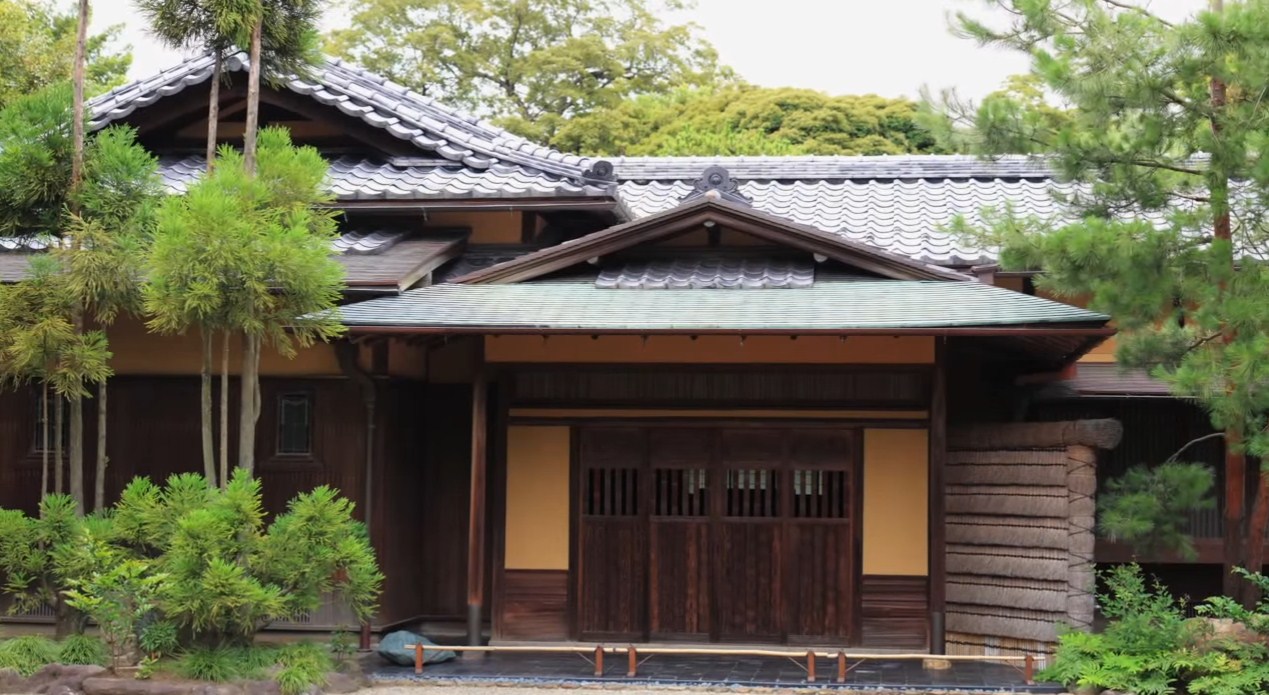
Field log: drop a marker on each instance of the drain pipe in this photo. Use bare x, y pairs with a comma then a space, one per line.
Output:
346, 353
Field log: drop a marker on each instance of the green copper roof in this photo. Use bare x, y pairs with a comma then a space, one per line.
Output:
844, 304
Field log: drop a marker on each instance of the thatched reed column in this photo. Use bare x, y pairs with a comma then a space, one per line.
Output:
1081, 485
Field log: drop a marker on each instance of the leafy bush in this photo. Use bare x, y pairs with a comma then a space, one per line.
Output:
342, 647
227, 573
217, 664
40, 556
1148, 507
159, 638
1150, 648
26, 655
117, 599
302, 667
82, 649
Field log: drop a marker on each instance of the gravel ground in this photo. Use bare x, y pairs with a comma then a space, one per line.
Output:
443, 688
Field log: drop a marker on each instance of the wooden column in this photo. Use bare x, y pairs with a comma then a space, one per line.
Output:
477, 511
937, 495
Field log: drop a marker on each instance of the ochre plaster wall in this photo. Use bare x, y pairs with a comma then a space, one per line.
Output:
896, 534
139, 352
537, 498
487, 227
711, 349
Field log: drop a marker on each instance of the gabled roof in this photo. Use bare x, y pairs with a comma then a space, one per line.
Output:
402, 112
708, 209
900, 204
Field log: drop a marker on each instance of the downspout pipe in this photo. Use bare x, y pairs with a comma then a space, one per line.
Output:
346, 353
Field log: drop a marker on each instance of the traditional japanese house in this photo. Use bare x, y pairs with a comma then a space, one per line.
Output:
760, 400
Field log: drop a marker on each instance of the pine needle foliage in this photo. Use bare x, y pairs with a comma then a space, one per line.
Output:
1167, 137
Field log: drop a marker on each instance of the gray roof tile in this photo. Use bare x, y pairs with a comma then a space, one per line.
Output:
854, 196
825, 305
412, 178
457, 136
709, 273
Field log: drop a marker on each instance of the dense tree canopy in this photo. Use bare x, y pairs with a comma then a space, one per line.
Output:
528, 64
748, 120
1170, 138
37, 46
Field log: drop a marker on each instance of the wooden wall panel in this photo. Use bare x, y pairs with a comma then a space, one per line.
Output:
680, 586
534, 605
894, 612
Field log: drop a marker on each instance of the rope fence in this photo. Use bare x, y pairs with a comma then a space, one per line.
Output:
636, 656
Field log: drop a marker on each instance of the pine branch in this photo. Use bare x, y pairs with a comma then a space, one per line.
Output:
1139, 10
1191, 443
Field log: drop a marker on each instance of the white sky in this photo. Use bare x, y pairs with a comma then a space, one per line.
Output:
887, 47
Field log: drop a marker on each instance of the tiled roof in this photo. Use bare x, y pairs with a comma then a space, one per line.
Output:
1109, 380
432, 127
411, 178
14, 266
900, 204
825, 305
833, 168
391, 260
709, 273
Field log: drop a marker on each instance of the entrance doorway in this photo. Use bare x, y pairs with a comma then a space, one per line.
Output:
718, 533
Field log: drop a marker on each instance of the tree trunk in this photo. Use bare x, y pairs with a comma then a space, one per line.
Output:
59, 423
1257, 527
253, 101
77, 452
77, 77
209, 452
44, 434
224, 411
99, 482
213, 112
249, 385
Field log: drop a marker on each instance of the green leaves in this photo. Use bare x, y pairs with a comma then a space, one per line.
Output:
530, 66
1148, 506
37, 43
747, 120
249, 254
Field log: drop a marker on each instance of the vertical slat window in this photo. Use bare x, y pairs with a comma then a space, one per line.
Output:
612, 492
295, 424
752, 493
680, 492
821, 494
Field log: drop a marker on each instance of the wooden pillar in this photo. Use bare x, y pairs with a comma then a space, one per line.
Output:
477, 511
937, 493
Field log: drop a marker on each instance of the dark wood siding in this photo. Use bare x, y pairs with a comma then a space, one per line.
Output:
721, 533
895, 611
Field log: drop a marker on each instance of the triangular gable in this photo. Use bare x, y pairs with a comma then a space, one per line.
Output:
400, 113
709, 208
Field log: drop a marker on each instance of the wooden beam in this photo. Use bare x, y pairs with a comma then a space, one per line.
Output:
477, 512
1208, 551
937, 491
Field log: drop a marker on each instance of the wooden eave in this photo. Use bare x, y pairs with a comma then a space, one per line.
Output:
696, 213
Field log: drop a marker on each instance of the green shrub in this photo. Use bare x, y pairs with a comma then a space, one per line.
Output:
342, 647
117, 598
26, 655
302, 666
218, 664
228, 573
159, 638
1150, 648
82, 649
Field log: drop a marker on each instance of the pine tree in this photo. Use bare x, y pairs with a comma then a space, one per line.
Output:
1167, 134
